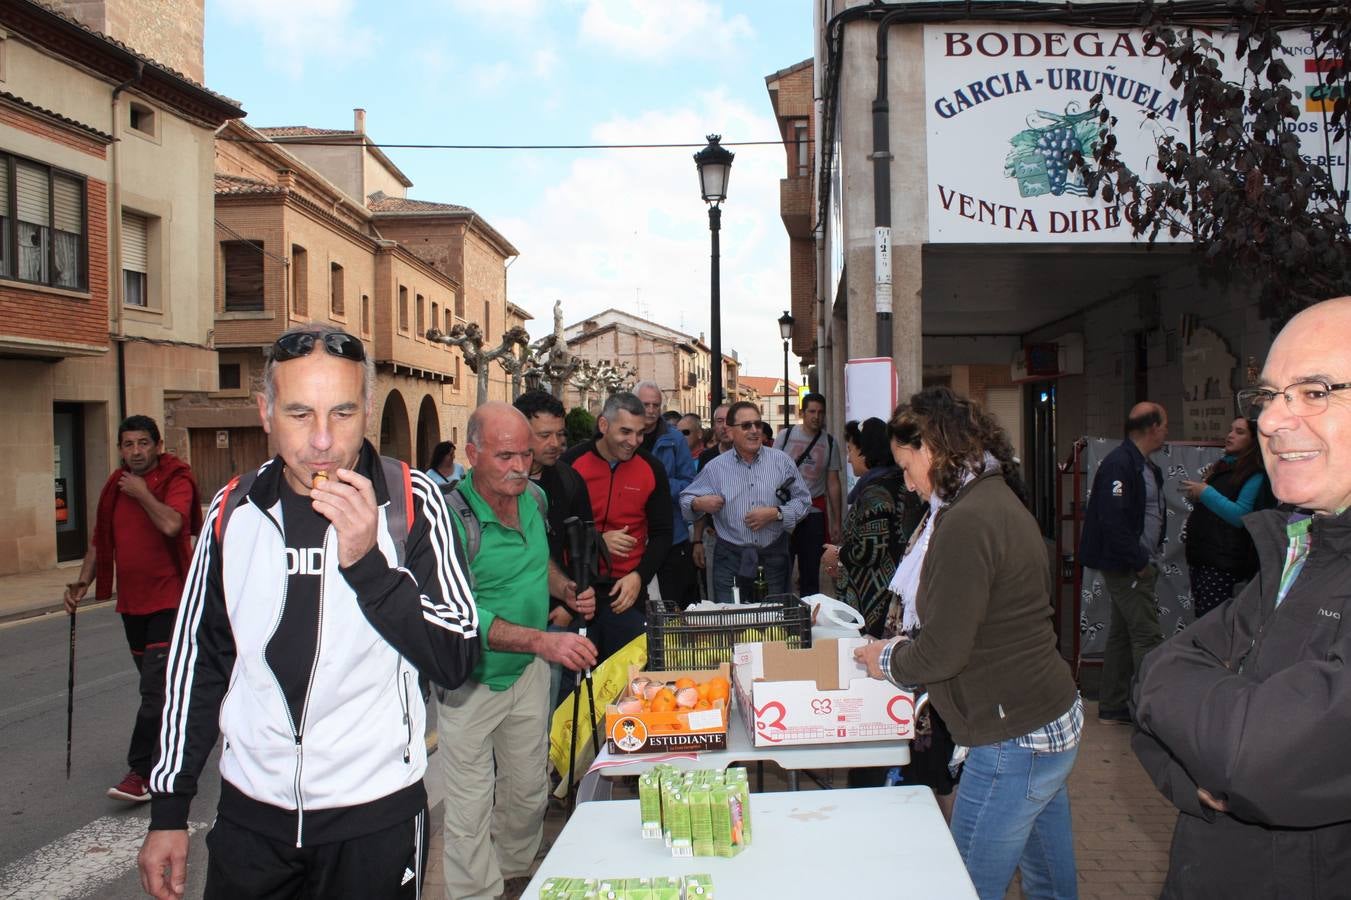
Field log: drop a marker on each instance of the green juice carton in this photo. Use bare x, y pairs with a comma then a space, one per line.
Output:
667, 887
728, 805
676, 821
699, 886
649, 804
701, 818
637, 889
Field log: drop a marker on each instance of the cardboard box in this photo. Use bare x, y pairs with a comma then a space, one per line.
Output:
819, 695
677, 731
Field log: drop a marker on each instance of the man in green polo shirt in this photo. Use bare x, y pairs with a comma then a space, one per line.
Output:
494, 729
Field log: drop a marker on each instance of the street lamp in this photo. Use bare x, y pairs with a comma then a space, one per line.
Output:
715, 167
785, 332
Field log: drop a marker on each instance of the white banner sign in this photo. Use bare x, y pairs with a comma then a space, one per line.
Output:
1008, 105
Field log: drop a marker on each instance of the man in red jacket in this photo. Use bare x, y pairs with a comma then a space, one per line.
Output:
631, 506
147, 515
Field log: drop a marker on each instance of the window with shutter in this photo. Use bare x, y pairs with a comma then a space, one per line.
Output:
6, 225
135, 242
32, 188
68, 241
42, 224
243, 275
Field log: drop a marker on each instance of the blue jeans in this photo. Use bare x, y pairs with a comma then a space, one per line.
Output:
726, 558
1013, 812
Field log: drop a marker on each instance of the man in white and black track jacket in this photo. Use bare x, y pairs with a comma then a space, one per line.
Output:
322, 587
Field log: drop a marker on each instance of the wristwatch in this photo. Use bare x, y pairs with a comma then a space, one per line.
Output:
778, 513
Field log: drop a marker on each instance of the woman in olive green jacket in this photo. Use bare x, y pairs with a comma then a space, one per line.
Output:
975, 592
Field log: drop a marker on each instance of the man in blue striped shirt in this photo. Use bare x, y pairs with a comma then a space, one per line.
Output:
755, 495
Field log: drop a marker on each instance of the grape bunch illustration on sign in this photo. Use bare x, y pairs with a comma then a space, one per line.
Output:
1041, 153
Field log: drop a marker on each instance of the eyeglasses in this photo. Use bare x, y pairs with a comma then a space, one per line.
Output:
748, 426
686, 431
1303, 398
301, 343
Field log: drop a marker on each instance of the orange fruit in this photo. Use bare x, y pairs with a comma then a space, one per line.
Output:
702, 690
702, 705
682, 683
718, 689
664, 701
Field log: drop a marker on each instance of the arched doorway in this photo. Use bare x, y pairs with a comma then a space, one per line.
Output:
428, 431
395, 438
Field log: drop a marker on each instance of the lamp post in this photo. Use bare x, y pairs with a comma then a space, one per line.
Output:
715, 167
785, 332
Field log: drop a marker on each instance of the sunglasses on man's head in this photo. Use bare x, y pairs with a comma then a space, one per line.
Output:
301, 343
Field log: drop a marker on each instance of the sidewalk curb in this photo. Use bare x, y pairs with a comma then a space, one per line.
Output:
41, 611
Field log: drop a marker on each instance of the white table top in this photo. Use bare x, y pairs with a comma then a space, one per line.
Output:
740, 750
815, 845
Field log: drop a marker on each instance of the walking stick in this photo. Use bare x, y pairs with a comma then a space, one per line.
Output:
70, 694
581, 549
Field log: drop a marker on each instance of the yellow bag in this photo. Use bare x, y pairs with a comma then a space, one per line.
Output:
608, 680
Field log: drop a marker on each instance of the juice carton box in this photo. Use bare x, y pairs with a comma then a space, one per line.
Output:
649, 803
699, 886
637, 889
728, 807
701, 818
676, 822
667, 887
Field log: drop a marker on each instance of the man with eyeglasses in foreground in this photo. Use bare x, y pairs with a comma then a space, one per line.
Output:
754, 495
1245, 716
1124, 526
311, 609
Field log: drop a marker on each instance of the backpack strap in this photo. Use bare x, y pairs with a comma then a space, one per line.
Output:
542, 501
469, 525
241, 484
399, 515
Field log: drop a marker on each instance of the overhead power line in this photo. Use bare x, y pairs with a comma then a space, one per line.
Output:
383, 146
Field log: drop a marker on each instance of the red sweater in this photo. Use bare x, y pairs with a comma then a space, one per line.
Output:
151, 567
634, 493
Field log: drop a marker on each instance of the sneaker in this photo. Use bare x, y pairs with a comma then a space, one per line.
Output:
1109, 716
132, 788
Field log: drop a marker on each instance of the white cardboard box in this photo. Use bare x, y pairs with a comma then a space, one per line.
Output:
819, 695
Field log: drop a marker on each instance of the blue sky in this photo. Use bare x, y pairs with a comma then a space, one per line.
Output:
596, 228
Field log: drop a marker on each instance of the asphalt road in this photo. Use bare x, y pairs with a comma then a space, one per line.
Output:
64, 838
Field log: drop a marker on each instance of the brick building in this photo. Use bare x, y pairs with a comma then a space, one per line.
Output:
679, 363
790, 93
296, 243
767, 393
105, 309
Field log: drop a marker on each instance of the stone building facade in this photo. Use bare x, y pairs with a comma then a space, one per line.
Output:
106, 308
679, 363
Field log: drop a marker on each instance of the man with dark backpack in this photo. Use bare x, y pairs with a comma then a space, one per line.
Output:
324, 586
494, 728
565, 492
820, 463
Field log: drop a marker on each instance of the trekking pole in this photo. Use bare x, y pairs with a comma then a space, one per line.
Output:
70, 694
580, 548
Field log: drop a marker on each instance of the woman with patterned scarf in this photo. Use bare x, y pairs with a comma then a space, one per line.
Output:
975, 631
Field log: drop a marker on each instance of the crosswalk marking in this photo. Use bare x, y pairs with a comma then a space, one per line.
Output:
79, 863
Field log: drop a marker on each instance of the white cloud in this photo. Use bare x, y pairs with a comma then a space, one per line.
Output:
544, 62
490, 77
658, 30
627, 229
507, 13
297, 31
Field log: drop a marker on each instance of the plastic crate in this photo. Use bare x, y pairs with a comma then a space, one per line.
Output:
704, 638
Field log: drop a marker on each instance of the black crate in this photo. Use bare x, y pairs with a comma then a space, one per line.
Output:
703, 639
